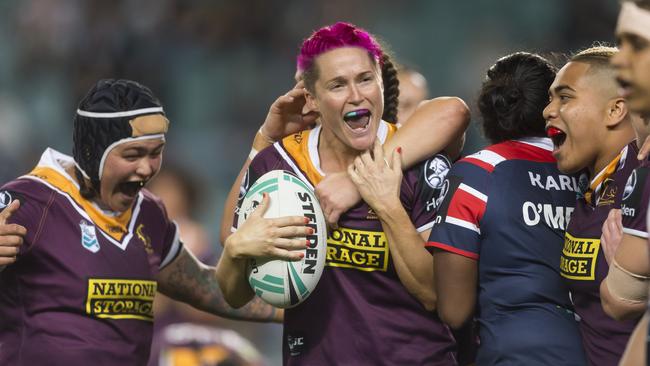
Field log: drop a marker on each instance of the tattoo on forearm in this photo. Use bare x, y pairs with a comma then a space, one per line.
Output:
188, 281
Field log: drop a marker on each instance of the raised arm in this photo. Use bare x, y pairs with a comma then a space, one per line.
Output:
437, 124
286, 116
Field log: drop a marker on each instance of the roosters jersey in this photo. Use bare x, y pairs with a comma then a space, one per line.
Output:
507, 207
584, 266
82, 289
360, 313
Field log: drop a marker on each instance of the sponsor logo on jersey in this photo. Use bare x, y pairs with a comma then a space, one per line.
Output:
628, 211
629, 185
89, 236
358, 249
120, 298
578, 260
146, 240
435, 171
308, 211
296, 344
5, 199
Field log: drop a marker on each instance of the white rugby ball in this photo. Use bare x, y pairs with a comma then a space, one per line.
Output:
283, 283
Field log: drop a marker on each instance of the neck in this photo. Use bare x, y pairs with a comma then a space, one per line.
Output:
611, 147
72, 172
335, 155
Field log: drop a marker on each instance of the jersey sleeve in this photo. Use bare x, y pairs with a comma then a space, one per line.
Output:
265, 161
634, 205
171, 245
33, 209
457, 226
427, 191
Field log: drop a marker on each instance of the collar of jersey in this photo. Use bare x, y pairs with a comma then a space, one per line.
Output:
597, 182
116, 227
384, 131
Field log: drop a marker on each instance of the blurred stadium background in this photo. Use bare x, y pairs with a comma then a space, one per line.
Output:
217, 66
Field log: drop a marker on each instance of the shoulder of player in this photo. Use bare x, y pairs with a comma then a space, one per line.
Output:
535, 150
28, 191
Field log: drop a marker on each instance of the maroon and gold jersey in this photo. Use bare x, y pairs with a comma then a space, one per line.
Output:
636, 196
583, 263
360, 313
82, 289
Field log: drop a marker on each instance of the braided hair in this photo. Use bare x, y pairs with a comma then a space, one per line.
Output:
391, 89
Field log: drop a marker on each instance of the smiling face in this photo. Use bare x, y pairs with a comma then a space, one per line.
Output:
348, 94
576, 115
632, 64
127, 168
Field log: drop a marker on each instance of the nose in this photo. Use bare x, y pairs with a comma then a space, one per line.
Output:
355, 96
550, 112
147, 167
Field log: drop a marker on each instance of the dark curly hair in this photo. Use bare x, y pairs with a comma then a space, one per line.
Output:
513, 96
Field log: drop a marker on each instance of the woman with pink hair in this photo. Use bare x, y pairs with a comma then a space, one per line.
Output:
375, 302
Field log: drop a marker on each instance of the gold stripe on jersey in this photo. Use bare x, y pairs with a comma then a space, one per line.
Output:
116, 227
297, 147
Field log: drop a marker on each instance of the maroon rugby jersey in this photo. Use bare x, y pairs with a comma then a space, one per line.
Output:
360, 313
82, 289
636, 196
583, 263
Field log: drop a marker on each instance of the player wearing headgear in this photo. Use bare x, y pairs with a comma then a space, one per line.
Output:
498, 233
97, 247
373, 303
591, 129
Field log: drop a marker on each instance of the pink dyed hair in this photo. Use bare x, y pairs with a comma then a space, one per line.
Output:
335, 36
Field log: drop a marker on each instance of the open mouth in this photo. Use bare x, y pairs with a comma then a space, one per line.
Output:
130, 189
357, 120
557, 136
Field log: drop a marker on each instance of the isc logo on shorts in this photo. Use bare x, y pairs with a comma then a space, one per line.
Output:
578, 260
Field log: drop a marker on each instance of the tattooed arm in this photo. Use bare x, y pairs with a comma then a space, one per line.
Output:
188, 280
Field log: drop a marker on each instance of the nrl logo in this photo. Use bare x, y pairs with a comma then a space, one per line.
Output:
88, 236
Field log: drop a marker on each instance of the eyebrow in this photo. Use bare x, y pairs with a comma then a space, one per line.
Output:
140, 148
561, 88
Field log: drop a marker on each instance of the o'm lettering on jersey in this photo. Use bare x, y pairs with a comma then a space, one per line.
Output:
578, 260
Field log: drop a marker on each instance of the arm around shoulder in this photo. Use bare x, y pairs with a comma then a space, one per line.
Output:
447, 116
